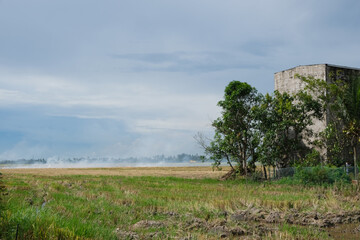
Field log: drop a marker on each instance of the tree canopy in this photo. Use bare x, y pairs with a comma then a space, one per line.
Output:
235, 133
284, 121
275, 129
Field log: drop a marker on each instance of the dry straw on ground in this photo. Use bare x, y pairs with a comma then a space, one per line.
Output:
183, 172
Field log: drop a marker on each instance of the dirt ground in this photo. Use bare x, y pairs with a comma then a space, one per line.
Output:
184, 172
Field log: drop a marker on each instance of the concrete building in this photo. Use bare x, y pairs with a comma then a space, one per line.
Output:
285, 81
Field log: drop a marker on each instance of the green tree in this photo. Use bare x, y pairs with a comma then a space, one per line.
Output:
331, 97
284, 121
236, 137
340, 98
218, 149
352, 120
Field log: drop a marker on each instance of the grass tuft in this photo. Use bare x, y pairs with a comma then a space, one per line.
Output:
93, 207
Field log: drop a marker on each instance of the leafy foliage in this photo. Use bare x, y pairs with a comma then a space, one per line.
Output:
321, 175
269, 129
284, 122
236, 137
352, 123
275, 130
340, 98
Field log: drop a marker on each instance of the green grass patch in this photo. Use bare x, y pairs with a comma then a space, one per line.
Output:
93, 207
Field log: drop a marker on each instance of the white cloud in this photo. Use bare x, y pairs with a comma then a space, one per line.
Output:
158, 67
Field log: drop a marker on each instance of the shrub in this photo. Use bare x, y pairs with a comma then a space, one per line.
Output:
256, 176
311, 159
320, 175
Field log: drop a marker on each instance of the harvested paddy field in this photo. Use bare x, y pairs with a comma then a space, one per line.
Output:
182, 172
170, 203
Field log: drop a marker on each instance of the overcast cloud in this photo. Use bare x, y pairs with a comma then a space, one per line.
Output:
139, 78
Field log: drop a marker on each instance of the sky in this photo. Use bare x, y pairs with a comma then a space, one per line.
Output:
121, 78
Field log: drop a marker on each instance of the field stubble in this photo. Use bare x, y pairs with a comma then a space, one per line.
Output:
158, 203
182, 172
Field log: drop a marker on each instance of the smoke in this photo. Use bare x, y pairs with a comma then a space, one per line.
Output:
180, 160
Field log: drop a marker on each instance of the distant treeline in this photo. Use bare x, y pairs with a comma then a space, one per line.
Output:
183, 157
24, 161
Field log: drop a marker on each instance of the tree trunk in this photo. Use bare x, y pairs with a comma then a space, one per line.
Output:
244, 164
243, 156
265, 174
229, 162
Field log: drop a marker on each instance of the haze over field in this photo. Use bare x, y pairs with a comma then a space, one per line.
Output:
179, 160
123, 79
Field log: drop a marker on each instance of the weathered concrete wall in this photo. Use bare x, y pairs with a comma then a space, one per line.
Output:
285, 81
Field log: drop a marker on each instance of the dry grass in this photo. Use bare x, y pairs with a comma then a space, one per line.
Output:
91, 203
183, 172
